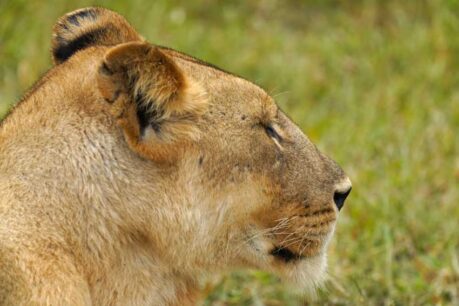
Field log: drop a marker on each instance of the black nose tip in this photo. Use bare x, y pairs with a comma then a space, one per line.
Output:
340, 196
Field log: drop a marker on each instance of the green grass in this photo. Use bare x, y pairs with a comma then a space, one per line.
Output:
375, 84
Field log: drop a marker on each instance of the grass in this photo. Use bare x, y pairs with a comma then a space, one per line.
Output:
375, 84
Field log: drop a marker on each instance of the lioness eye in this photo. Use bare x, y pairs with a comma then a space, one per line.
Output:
272, 133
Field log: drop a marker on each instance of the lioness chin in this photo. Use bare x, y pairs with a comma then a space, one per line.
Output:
130, 170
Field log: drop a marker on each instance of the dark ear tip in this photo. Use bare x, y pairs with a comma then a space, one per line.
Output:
86, 27
69, 30
67, 26
89, 13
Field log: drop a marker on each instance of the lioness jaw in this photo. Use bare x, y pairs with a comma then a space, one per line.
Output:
130, 170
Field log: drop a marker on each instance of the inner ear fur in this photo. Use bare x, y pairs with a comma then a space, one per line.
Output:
154, 102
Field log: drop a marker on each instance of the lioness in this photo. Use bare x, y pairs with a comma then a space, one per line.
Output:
131, 170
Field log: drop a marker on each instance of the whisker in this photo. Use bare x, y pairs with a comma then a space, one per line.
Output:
280, 93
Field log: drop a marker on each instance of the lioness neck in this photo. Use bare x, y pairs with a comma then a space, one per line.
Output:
71, 158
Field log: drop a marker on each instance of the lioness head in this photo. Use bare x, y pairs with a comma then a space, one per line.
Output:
199, 162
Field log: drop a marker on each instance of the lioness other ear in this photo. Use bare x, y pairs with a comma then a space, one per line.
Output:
88, 27
155, 103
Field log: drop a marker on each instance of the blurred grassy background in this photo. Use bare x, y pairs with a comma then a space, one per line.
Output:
375, 84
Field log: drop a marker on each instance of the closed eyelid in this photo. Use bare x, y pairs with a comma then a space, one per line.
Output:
273, 132
275, 136
282, 132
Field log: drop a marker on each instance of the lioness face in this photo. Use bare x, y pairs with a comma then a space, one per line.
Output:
266, 196
274, 196
234, 182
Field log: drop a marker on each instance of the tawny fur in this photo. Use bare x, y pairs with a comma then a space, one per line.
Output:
130, 171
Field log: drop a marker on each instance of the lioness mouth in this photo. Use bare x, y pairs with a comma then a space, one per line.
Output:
285, 254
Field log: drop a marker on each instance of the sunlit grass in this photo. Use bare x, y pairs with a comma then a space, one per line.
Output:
375, 84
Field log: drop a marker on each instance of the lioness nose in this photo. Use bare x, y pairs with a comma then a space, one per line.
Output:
341, 192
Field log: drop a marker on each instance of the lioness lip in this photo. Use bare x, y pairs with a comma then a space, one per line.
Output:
285, 254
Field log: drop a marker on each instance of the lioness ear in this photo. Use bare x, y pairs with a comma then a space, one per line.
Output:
154, 102
88, 27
